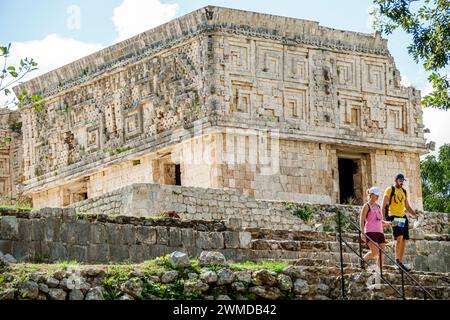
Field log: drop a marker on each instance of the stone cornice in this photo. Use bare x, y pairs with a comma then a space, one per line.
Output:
206, 20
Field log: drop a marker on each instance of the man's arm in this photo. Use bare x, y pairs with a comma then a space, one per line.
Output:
383, 207
409, 209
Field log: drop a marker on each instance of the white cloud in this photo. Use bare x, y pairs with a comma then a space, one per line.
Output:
405, 81
132, 17
50, 53
438, 122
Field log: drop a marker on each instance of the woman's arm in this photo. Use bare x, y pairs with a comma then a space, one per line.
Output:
362, 216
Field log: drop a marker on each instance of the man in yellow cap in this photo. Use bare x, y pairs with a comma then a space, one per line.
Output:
395, 203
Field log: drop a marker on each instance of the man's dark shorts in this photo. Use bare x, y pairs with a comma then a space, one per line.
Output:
400, 231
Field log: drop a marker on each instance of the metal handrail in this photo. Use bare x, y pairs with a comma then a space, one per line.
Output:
402, 270
381, 277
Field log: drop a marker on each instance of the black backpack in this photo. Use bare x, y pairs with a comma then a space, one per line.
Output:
386, 211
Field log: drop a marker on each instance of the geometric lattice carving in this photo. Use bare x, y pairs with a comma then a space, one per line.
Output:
295, 104
4, 165
3, 186
241, 101
93, 139
239, 57
77, 116
373, 76
351, 112
133, 123
269, 62
347, 73
395, 117
296, 66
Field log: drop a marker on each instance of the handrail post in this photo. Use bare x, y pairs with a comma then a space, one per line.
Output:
381, 262
403, 284
341, 255
360, 250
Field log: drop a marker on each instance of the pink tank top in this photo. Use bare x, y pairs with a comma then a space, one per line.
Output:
374, 221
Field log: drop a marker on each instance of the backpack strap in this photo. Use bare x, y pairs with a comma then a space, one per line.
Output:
392, 195
404, 190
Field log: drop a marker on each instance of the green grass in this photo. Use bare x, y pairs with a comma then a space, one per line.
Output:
154, 266
276, 266
65, 264
26, 207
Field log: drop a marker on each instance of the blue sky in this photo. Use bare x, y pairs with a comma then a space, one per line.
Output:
45, 30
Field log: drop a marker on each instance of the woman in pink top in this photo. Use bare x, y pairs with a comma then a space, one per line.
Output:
371, 222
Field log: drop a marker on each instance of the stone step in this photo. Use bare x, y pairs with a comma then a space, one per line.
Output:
421, 255
411, 292
311, 245
279, 234
327, 257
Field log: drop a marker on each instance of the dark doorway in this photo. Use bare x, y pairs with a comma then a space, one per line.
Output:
347, 169
177, 175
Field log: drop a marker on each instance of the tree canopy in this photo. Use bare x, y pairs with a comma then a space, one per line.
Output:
11, 75
428, 22
435, 173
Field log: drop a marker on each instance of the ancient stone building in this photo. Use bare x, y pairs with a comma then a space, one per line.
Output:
276, 107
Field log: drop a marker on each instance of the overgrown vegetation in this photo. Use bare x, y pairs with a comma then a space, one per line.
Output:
305, 213
276, 266
427, 22
19, 206
435, 173
66, 264
115, 276
118, 150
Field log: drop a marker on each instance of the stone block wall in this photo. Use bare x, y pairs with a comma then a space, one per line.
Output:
146, 200
60, 234
51, 235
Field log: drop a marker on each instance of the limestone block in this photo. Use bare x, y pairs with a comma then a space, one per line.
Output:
145, 235
162, 235
9, 228
175, 239
209, 240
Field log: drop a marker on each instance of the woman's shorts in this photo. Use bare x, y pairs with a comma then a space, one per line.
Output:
378, 237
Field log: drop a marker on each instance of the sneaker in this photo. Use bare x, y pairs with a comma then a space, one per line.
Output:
402, 266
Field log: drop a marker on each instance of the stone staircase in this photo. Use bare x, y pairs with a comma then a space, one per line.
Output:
321, 250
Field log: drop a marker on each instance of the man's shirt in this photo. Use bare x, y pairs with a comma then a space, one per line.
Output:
398, 204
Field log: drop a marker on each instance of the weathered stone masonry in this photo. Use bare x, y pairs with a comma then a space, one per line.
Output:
11, 162
50, 235
228, 99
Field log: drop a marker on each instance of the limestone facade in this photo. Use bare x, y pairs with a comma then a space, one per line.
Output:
10, 156
276, 107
